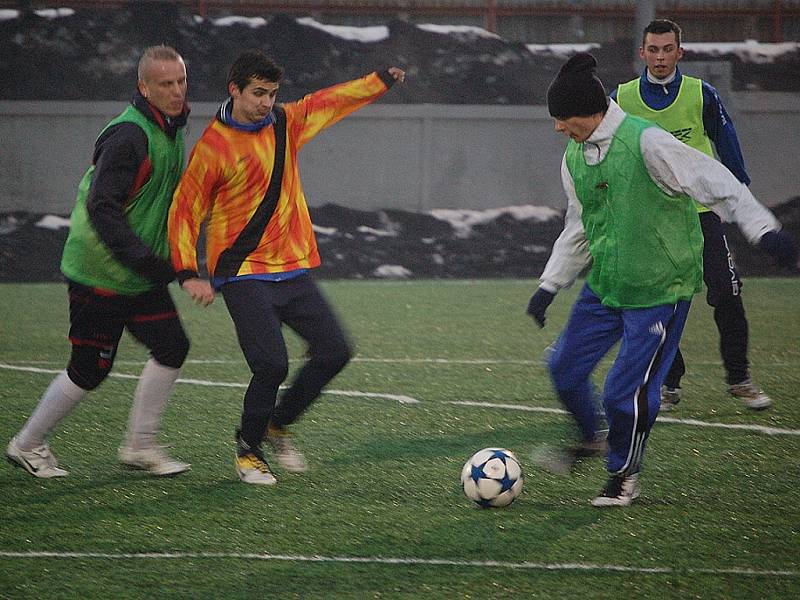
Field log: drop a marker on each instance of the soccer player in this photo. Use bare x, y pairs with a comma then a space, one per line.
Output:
116, 261
243, 181
692, 111
629, 186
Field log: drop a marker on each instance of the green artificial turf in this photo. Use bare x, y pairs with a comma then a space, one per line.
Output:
442, 369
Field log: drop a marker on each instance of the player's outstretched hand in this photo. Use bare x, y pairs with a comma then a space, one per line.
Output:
538, 304
200, 290
782, 247
397, 73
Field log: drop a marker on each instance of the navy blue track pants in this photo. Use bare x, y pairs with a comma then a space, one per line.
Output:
631, 394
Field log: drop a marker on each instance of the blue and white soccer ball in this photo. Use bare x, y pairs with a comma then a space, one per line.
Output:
492, 477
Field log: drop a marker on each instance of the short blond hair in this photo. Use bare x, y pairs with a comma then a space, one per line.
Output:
154, 53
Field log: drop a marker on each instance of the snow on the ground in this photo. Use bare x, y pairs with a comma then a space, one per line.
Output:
358, 34
508, 242
324, 230
448, 29
52, 222
392, 272
560, 50
54, 13
463, 220
252, 22
748, 50
46, 13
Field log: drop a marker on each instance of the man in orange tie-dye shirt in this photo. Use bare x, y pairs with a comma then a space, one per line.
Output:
243, 182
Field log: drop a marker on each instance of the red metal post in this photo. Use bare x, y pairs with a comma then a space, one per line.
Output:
490, 19
777, 21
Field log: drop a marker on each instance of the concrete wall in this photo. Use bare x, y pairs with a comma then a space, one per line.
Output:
414, 157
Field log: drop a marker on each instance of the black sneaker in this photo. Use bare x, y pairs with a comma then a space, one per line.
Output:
251, 467
621, 490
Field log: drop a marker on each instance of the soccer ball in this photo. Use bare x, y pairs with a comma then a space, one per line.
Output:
492, 477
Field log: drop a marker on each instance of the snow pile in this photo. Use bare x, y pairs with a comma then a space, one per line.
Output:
446, 64
390, 244
463, 220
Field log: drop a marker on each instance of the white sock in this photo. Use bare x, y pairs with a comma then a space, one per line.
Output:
152, 392
58, 400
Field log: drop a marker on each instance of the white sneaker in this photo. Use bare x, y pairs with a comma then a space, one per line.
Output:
252, 468
621, 490
153, 460
752, 395
39, 462
289, 457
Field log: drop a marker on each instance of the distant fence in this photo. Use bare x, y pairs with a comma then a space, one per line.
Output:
415, 157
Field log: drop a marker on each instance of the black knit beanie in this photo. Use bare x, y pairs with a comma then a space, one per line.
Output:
577, 91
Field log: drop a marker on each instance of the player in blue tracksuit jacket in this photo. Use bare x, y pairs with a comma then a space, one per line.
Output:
691, 110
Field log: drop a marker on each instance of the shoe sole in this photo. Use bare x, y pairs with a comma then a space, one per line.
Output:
760, 402
603, 502
172, 473
615, 503
243, 476
758, 406
243, 479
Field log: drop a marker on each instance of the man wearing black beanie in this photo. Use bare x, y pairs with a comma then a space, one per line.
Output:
577, 91
629, 186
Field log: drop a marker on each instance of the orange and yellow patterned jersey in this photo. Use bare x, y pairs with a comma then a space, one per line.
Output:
228, 174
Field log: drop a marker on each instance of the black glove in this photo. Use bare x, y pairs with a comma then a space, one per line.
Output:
538, 304
156, 269
781, 247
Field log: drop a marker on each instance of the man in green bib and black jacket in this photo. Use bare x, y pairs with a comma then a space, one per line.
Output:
629, 186
691, 110
116, 261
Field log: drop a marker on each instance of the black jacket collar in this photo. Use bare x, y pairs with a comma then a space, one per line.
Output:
168, 125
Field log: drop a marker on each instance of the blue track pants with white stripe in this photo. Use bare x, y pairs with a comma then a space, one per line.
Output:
632, 391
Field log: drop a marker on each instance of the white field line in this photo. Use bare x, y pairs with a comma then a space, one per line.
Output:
401, 361
395, 561
692, 422
354, 394
409, 400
